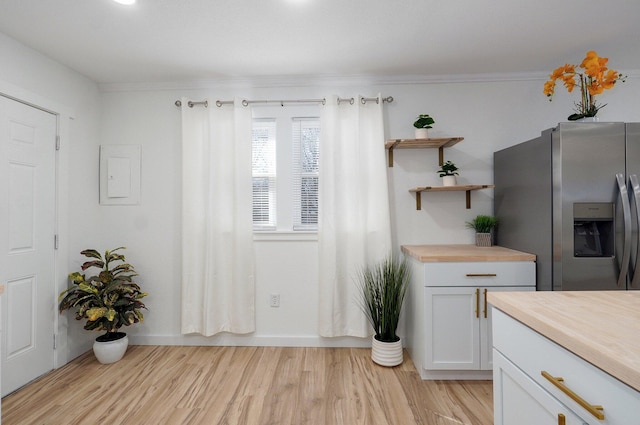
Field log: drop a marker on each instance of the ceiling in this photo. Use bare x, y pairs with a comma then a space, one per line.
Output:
197, 40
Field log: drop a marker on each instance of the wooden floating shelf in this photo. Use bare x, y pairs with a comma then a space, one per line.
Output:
465, 188
439, 143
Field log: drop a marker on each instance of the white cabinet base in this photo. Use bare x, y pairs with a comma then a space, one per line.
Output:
449, 321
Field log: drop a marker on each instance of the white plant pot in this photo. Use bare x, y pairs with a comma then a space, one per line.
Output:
422, 133
386, 353
449, 180
588, 119
110, 351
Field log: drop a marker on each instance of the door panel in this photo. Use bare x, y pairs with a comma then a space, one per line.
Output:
452, 330
633, 168
27, 227
587, 157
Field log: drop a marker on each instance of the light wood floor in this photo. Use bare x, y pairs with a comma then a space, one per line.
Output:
245, 385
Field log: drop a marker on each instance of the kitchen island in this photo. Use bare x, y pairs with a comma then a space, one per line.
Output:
566, 357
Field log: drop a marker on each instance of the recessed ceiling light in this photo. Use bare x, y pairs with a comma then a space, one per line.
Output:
127, 2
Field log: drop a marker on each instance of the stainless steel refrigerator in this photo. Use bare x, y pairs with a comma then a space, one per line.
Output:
571, 197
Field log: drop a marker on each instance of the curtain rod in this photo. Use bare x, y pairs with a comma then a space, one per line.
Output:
323, 101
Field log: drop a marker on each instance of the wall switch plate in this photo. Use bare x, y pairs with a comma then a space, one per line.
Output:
274, 300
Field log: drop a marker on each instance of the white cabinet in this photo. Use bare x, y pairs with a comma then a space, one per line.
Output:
535, 380
449, 327
522, 401
458, 327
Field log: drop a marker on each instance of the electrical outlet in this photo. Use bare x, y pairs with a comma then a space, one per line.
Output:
274, 300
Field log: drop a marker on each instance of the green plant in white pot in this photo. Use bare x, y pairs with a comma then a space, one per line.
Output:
383, 286
484, 226
422, 124
107, 301
448, 172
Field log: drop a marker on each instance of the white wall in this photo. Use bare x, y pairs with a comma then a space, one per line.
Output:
490, 115
32, 77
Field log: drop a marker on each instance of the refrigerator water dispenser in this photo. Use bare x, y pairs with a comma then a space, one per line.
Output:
593, 229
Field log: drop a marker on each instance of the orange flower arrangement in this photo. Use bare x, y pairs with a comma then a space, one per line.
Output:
595, 79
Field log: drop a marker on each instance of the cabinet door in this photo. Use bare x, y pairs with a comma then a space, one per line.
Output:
518, 400
486, 336
452, 328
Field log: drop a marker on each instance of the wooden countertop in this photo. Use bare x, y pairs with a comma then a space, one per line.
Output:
602, 327
464, 253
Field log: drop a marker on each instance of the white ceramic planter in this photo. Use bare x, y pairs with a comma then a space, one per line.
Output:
422, 133
588, 119
110, 351
386, 353
449, 180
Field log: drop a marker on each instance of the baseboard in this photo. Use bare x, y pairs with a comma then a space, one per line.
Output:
250, 340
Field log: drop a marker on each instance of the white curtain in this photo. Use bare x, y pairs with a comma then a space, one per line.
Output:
354, 225
218, 288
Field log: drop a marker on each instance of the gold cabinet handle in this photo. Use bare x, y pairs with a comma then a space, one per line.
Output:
562, 420
595, 410
485, 302
478, 303
481, 275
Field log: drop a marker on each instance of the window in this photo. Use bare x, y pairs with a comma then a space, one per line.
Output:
286, 144
264, 173
306, 149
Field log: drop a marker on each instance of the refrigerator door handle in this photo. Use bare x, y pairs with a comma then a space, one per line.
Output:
626, 250
635, 186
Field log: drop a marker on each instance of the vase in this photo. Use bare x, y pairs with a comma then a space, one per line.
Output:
588, 119
422, 133
386, 353
110, 351
483, 239
448, 180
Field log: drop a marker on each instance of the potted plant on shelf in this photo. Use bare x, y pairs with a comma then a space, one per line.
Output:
107, 300
422, 124
448, 171
382, 288
483, 225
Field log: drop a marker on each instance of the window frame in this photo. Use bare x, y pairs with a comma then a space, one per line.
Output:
284, 116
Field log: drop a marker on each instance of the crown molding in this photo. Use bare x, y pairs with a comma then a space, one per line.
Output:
329, 81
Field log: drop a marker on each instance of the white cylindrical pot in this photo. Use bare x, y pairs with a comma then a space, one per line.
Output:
386, 353
449, 180
110, 351
422, 133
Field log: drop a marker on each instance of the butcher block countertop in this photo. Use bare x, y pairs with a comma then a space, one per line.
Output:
464, 253
602, 327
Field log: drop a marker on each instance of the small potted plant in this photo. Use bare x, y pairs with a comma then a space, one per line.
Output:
422, 124
483, 225
107, 300
382, 287
448, 171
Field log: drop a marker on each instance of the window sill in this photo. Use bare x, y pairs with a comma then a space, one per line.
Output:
284, 236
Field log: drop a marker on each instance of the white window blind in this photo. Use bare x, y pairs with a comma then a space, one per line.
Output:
264, 174
306, 148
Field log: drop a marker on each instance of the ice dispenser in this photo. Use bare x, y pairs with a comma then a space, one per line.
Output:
593, 229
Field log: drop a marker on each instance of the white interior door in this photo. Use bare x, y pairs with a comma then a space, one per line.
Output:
27, 228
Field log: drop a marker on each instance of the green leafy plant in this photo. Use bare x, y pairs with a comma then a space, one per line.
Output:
483, 223
448, 169
383, 287
423, 121
108, 300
